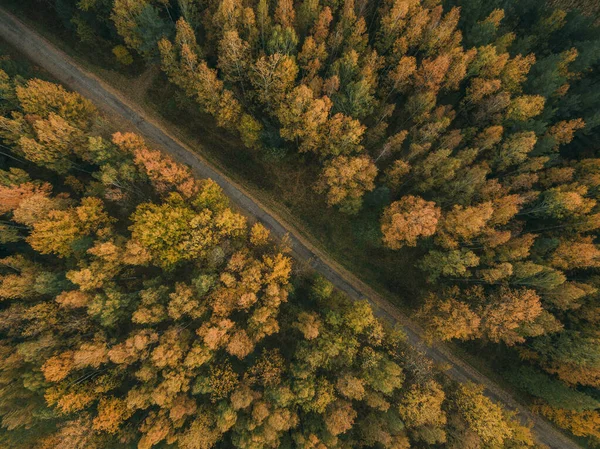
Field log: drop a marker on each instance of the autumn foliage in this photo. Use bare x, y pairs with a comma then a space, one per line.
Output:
460, 137
139, 310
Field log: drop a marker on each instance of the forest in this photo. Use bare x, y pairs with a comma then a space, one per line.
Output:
464, 132
139, 310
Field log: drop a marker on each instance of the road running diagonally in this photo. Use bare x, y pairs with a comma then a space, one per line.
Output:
67, 71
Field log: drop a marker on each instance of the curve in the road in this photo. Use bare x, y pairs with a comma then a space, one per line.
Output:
64, 69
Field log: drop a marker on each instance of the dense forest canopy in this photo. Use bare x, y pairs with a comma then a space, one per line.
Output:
476, 122
388, 93
139, 310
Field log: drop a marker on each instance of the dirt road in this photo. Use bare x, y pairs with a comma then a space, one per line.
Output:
65, 69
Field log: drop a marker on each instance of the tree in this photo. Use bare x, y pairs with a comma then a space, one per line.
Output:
340, 417
509, 313
51, 143
308, 324
563, 132
465, 223
234, 57
576, 254
515, 72
111, 413
285, 14
402, 75
26, 279
437, 168
583, 424
567, 295
164, 173
345, 180
344, 135
449, 264
405, 221
396, 173
184, 303
7, 92
182, 65
42, 98
485, 418
310, 60
139, 24
62, 230
489, 137
303, 117
515, 149
571, 355
505, 208
448, 317
357, 85
173, 232
422, 405
143, 315
240, 344
555, 393
250, 131
16, 193
122, 55
564, 202
525, 107
273, 77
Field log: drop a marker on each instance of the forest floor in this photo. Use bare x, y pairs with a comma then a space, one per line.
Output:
128, 112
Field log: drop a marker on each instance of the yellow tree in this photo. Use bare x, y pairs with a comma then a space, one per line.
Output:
310, 59
525, 107
172, 232
482, 416
402, 76
51, 143
234, 57
183, 66
447, 317
563, 132
581, 253
59, 232
345, 180
112, 412
41, 98
515, 72
407, 220
303, 117
422, 406
273, 77
250, 131
343, 135
464, 223
340, 417
510, 315
285, 14
581, 423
